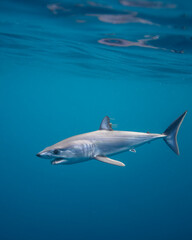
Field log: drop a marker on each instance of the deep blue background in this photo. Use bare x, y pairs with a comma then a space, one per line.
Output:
56, 81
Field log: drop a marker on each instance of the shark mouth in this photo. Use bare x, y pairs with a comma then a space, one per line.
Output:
57, 161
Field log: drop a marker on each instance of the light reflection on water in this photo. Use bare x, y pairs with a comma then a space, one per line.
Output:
146, 4
77, 29
121, 18
125, 43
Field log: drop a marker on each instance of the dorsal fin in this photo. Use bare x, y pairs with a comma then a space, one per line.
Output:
105, 124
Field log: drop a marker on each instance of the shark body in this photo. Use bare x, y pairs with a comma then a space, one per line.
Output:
106, 142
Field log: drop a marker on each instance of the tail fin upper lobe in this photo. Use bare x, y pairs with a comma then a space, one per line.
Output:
171, 133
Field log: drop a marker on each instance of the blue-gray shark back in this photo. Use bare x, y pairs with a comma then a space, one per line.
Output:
105, 142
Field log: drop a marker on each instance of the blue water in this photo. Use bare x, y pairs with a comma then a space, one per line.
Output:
64, 66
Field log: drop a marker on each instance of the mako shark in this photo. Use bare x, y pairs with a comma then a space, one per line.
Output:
105, 142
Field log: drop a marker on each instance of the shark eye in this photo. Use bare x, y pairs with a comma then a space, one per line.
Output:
56, 151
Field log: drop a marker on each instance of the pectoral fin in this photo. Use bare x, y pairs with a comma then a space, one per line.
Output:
109, 160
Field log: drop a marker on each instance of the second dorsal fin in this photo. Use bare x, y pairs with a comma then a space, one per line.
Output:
105, 124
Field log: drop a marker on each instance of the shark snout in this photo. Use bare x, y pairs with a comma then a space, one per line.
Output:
44, 154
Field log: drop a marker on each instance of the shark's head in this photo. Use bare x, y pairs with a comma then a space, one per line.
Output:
68, 151
49, 153
56, 153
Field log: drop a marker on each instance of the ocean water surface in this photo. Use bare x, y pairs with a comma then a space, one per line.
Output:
64, 66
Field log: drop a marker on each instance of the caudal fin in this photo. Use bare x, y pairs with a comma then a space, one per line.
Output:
171, 133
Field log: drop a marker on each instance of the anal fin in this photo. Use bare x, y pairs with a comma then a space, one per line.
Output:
109, 160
